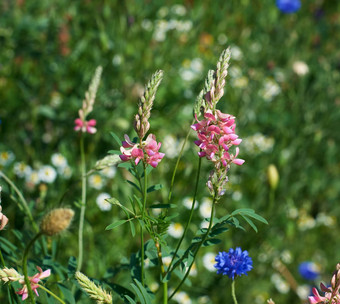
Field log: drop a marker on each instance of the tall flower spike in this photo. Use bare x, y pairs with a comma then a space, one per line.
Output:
95, 292
142, 124
81, 124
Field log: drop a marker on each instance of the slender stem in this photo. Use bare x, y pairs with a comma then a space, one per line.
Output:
177, 162
24, 203
190, 216
233, 292
24, 267
83, 205
143, 220
51, 293
198, 248
160, 262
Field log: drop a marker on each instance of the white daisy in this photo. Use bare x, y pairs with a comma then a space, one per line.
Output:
209, 261
33, 177
187, 203
109, 172
47, 174
300, 68
65, 172
102, 203
6, 157
166, 261
21, 169
182, 298
205, 208
175, 230
58, 160
96, 181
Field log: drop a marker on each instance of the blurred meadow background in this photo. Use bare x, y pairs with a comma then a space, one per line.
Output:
283, 87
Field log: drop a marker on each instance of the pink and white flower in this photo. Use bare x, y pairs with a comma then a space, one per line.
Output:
147, 151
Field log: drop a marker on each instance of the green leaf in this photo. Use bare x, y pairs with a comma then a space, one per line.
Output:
116, 138
155, 188
130, 300
141, 292
250, 222
211, 242
71, 267
148, 170
66, 293
115, 224
134, 185
126, 165
132, 228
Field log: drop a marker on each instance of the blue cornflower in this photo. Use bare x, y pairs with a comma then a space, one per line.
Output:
233, 263
288, 6
309, 270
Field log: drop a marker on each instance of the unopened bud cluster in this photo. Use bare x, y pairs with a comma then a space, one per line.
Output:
141, 123
95, 292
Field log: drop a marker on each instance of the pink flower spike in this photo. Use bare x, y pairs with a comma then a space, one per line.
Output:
316, 298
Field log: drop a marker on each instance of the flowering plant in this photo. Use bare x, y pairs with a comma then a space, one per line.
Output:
141, 156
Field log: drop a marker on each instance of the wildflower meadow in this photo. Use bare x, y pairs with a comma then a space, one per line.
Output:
169, 152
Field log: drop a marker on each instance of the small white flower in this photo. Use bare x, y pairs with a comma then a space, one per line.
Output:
58, 160
281, 285
240, 83
184, 26
159, 35
196, 65
187, 203
21, 169
300, 68
102, 203
325, 220
286, 256
179, 10
182, 298
187, 74
6, 157
166, 261
209, 261
109, 172
204, 300
236, 53
175, 230
65, 172
33, 177
47, 174
237, 195
162, 12
170, 146
270, 90
205, 208
306, 222
303, 291
146, 25
154, 286
193, 270
204, 224
117, 60
96, 181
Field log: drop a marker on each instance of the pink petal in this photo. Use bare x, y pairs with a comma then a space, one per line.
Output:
238, 161
92, 122
237, 141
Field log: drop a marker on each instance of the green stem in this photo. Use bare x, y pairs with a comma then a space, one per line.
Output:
21, 197
233, 292
51, 293
198, 248
83, 205
2, 259
177, 163
143, 220
24, 267
190, 216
